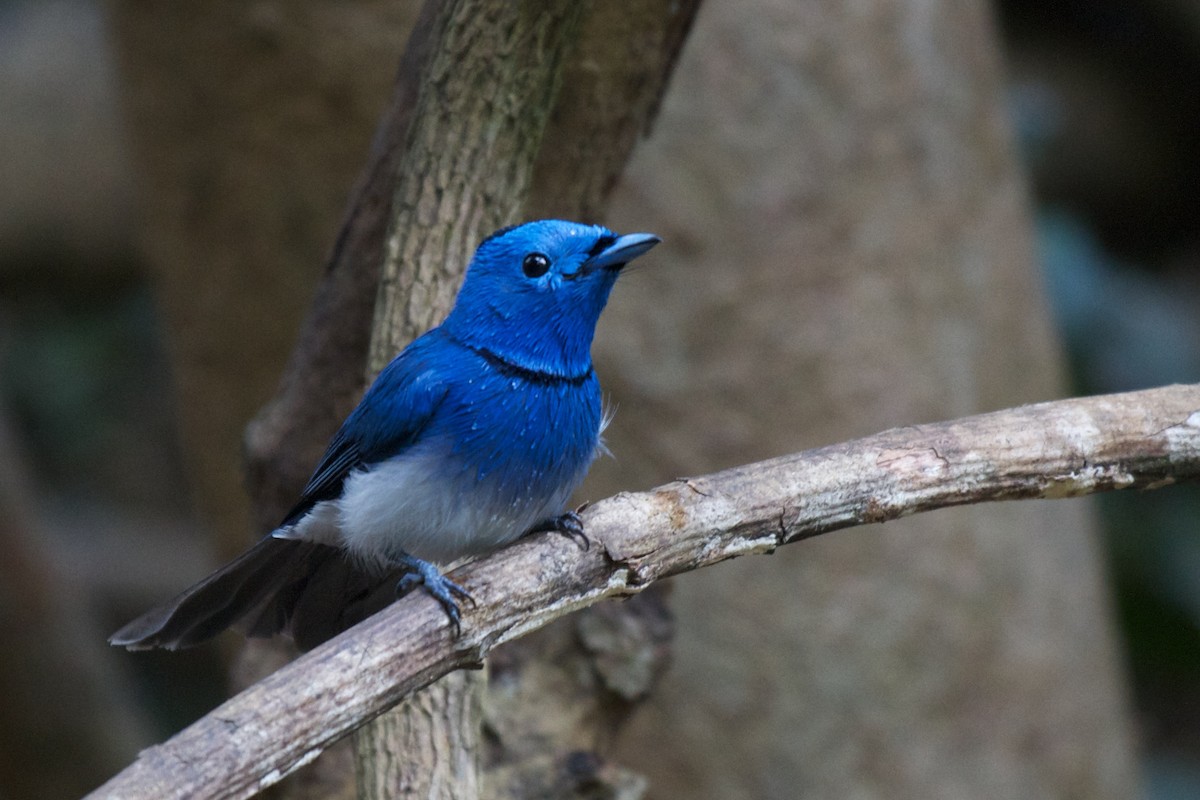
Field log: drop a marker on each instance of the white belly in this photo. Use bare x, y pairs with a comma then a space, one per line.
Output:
410, 505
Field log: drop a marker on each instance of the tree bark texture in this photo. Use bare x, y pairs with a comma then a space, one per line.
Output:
612, 90
435, 730
485, 96
1138, 440
847, 248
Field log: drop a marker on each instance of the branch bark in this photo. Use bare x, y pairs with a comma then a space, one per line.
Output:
1067, 448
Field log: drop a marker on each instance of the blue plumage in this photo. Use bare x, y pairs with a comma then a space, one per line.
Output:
477, 433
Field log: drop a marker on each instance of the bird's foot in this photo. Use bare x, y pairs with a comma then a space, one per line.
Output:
436, 585
569, 525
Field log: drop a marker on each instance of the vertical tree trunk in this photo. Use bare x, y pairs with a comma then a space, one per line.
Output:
485, 93
427, 747
848, 249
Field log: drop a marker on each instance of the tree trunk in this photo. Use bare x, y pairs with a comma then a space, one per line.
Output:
848, 249
486, 88
427, 747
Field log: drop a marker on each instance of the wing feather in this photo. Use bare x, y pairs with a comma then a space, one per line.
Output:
393, 412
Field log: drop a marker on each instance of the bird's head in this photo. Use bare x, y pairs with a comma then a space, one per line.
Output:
534, 292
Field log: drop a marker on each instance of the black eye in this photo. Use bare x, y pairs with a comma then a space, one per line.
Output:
535, 265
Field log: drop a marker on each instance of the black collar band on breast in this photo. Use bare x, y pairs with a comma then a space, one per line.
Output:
540, 377
537, 376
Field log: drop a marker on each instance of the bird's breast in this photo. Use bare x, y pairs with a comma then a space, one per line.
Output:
499, 457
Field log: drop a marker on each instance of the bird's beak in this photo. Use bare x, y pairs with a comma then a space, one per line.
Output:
625, 249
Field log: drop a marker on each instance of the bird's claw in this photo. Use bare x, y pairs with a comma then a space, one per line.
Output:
569, 525
437, 586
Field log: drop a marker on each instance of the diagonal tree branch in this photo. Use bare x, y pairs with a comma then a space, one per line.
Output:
1066, 448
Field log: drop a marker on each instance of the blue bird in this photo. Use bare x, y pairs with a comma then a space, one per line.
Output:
477, 433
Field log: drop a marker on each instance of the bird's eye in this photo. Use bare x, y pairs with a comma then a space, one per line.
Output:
535, 265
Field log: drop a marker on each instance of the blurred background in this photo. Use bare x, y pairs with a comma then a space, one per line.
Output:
110, 459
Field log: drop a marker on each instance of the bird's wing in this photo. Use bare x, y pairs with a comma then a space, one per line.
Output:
389, 419
340, 458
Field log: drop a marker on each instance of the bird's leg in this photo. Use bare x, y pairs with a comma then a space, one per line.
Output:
437, 585
569, 525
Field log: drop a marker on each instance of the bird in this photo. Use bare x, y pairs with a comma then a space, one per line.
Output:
476, 434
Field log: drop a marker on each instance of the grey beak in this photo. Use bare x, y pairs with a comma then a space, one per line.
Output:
625, 249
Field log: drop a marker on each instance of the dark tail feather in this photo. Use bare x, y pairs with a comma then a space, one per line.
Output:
333, 594
311, 590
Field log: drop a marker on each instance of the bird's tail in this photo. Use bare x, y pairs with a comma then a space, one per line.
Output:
312, 591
